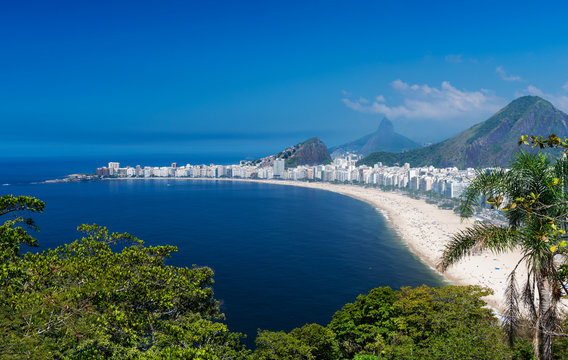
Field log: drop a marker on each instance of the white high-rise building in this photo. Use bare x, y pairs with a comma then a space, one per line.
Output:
113, 168
278, 168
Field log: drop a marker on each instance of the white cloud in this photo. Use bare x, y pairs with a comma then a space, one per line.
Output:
426, 102
565, 86
506, 76
560, 101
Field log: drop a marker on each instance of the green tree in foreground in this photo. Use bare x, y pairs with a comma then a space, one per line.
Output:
451, 322
320, 339
365, 324
533, 199
13, 234
311, 341
88, 300
421, 323
279, 345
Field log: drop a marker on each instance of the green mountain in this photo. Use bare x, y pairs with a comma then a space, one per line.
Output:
489, 143
384, 139
310, 152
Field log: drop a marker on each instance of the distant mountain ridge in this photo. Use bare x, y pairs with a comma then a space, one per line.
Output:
384, 139
489, 143
310, 152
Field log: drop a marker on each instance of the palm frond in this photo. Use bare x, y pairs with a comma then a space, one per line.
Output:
485, 183
529, 296
475, 238
511, 315
535, 191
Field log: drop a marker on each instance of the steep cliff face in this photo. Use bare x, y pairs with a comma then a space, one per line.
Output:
489, 143
384, 139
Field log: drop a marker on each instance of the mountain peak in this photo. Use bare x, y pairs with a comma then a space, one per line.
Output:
386, 127
527, 101
310, 152
312, 140
383, 139
520, 106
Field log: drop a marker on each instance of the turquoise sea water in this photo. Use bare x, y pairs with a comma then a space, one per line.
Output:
283, 256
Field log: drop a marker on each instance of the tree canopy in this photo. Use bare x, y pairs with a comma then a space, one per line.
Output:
107, 296
420, 323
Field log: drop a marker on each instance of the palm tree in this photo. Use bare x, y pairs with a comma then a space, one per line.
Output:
532, 197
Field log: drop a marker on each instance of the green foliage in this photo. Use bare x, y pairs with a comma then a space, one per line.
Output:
420, 323
321, 340
291, 162
364, 324
310, 152
311, 341
11, 203
520, 108
13, 277
447, 322
11, 235
87, 300
179, 353
387, 158
280, 346
553, 141
523, 350
366, 357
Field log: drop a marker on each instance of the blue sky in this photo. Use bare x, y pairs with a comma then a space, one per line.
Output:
144, 77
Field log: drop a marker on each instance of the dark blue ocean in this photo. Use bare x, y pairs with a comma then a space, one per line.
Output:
283, 256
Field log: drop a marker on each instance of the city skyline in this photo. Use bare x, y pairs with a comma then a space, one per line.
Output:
449, 182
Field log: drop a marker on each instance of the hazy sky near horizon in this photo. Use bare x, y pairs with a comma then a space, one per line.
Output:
132, 77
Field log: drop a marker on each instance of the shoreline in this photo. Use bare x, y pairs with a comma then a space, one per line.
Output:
424, 228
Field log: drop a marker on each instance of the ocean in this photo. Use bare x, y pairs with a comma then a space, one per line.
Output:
283, 256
